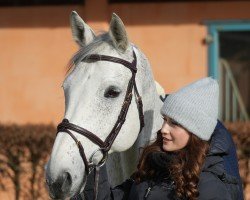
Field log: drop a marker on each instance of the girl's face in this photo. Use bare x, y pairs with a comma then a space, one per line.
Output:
175, 137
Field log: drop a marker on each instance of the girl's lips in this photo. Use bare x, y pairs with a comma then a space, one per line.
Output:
166, 139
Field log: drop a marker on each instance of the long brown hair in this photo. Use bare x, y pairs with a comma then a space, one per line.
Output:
184, 169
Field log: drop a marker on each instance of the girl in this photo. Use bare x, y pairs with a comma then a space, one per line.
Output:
183, 162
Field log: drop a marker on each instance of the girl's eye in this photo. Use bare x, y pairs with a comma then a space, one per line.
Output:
175, 123
171, 122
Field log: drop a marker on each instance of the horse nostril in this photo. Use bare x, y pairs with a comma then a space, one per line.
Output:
61, 187
67, 182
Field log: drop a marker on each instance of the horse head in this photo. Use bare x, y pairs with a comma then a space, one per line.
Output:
107, 78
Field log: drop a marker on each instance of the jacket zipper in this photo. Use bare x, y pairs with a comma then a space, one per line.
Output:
147, 193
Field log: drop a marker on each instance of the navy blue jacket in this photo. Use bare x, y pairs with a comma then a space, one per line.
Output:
222, 139
219, 179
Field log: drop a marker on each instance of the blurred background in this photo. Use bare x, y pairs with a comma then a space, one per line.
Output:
183, 39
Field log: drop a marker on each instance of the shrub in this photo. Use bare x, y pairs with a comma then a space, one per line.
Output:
241, 136
23, 152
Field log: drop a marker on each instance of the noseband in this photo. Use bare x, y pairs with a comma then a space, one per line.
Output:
66, 126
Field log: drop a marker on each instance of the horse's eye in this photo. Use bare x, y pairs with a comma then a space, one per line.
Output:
112, 92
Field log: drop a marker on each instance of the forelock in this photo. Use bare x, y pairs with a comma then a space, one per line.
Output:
94, 46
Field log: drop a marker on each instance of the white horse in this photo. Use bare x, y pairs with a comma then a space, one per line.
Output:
94, 94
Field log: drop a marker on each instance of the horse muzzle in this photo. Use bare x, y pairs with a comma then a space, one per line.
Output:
60, 189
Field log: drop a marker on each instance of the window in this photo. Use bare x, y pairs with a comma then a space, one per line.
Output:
229, 62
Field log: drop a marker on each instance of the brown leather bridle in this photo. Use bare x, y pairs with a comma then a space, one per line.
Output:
66, 126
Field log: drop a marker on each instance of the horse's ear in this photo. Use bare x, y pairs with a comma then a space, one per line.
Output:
118, 33
81, 32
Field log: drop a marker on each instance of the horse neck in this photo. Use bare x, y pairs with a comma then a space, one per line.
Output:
151, 101
153, 119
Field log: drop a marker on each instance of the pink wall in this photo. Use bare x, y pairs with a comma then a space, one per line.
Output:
36, 45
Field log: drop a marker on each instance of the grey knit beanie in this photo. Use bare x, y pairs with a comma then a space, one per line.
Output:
195, 107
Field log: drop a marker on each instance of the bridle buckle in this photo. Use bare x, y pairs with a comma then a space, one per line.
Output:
102, 162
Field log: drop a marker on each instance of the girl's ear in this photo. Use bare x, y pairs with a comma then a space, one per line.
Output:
81, 32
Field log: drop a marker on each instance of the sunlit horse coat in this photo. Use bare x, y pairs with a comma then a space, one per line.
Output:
215, 182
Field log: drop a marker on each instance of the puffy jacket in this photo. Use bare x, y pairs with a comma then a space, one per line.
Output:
214, 184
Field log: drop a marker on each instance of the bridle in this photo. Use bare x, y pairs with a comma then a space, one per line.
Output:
67, 127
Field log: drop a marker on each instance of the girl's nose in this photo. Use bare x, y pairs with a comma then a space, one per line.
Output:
165, 129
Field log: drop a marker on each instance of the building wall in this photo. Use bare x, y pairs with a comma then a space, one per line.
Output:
36, 45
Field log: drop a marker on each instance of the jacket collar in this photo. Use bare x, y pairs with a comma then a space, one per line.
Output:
220, 141
219, 146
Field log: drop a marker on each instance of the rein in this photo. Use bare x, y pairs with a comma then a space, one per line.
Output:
104, 146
